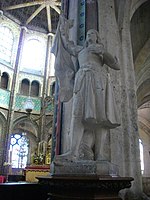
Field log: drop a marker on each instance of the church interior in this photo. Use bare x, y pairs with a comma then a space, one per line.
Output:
29, 99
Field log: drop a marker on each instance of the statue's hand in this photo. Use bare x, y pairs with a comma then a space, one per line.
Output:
94, 48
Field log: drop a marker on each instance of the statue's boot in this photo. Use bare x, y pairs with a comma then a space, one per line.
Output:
69, 156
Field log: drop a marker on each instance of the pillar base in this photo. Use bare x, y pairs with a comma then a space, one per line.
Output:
85, 187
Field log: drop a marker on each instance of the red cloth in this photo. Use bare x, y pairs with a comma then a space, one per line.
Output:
38, 167
2, 179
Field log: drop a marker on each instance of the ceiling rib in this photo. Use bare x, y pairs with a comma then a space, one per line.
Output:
51, 7
49, 18
22, 5
56, 8
35, 14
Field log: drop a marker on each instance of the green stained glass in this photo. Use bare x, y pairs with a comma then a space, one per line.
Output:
20, 101
4, 98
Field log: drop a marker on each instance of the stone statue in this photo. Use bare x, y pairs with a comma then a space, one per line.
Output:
94, 110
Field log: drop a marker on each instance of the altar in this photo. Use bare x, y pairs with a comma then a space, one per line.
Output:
31, 172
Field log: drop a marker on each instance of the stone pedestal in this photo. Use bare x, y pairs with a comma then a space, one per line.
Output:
84, 168
85, 187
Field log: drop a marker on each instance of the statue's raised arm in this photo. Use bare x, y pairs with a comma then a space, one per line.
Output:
65, 25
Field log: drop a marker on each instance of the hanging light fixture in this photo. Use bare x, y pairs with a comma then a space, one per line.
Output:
29, 105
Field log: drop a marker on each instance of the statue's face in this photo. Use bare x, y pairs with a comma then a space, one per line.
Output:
91, 36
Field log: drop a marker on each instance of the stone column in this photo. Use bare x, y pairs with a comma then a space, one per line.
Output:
128, 89
115, 34
42, 122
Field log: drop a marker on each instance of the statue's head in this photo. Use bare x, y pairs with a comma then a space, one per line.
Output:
92, 36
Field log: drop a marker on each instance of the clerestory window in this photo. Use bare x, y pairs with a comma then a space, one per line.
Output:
32, 55
6, 43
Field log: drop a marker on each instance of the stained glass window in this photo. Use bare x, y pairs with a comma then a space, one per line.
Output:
19, 145
6, 43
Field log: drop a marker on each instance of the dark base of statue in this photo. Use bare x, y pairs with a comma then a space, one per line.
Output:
85, 187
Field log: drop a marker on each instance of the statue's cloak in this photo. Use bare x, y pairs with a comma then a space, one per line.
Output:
64, 68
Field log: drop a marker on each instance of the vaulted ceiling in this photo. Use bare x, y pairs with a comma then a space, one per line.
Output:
40, 15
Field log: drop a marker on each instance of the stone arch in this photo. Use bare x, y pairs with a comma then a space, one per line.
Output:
135, 5
142, 60
139, 27
25, 125
143, 92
